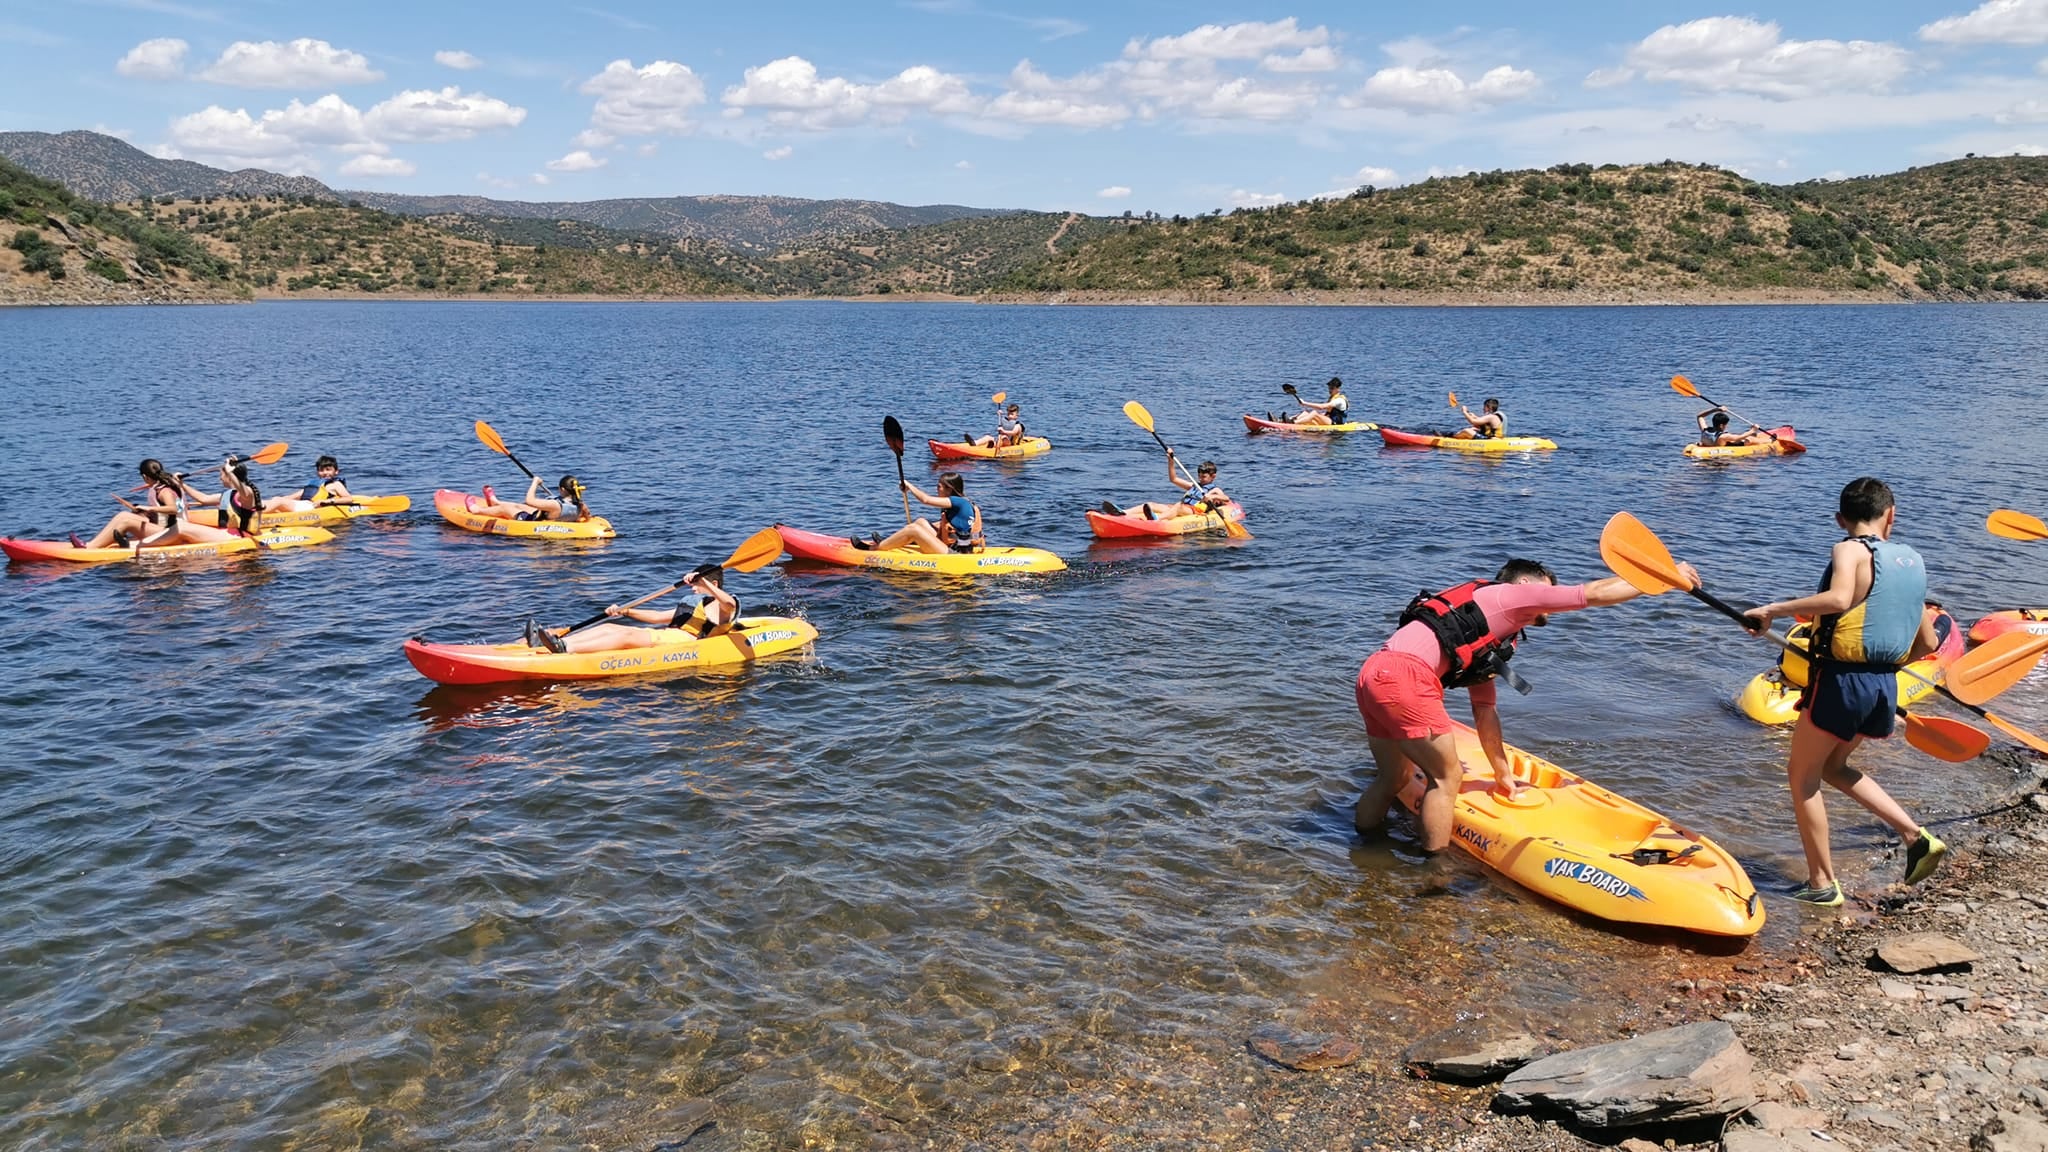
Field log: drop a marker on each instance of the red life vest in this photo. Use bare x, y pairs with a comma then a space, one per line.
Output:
1460, 626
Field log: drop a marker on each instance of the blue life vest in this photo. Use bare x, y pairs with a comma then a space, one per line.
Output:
1879, 630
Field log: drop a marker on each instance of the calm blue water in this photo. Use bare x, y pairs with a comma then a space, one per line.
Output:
259, 883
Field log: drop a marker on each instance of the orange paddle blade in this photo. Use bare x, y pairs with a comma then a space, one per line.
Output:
999, 397
269, 453
1235, 530
1454, 399
1989, 669
1946, 739
1634, 553
760, 548
2015, 525
491, 439
1683, 387
1138, 415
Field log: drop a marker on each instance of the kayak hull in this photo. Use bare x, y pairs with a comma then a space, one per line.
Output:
34, 551
1028, 447
675, 651
1570, 840
1737, 451
2033, 621
1107, 527
990, 562
335, 513
1395, 438
454, 508
1772, 697
1257, 424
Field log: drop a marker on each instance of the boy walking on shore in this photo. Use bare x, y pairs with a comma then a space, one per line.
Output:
1870, 622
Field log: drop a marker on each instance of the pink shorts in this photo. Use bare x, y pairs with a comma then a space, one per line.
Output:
1401, 698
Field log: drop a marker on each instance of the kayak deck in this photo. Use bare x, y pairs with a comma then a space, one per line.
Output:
955, 450
335, 513
1776, 447
674, 650
1590, 849
1137, 526
1257, 424
1395, 438
828, 549
454, 507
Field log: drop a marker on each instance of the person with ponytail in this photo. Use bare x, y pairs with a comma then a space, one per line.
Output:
570, 506
155, 520
234, 511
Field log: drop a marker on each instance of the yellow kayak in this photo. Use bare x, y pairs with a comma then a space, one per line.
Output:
1785, 443
1587, 848
1023, 449
454, 507
30, 551
1398, 439
1772, 697
987, 562
673, 649
334, 513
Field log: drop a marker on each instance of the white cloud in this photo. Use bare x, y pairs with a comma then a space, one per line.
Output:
964, 165
1993, 22
457, 59
2025, 112
1035, 98
1317, 59
160, 59
539, 178
648, 149
1701, 122
1115, 192
1442, 90
433, 116
592, 138
782, 153
1248, 41
1376, 176
490, 181
648, 101
1737, 54
1240, 198
790, 93
301, 63
1241, 99
577, 161
927, 89
374, 166
282, 138
1609, 77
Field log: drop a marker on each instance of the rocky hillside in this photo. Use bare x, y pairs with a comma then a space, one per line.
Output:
1973, 228
100, 167
63, 249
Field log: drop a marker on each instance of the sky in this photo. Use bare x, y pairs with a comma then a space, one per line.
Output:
1102, 106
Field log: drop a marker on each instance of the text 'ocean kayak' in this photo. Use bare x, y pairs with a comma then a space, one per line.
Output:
1133, 526
455, 507
29, 551
356, 509
988, 562
2033, 621
1587, 848
1773, 697
1027, 447
674, 650
1776, 447
1256, 424
1399, 439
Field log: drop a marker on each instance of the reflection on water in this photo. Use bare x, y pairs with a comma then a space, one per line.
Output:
266, 887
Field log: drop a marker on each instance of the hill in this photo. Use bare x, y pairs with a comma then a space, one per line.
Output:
61, 248
1972, 229
100, 167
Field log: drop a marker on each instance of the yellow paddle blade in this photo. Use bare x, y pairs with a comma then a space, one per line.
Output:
1683, 387
1989, 669
999, 397
760, 548
1235, 530
1634, 553
269, 453
2015, 525
1454, 399
1946, 739
491, 439
2018, 733
1138, 415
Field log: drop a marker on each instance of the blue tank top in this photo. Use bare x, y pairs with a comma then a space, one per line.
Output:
1880, 630
960, 514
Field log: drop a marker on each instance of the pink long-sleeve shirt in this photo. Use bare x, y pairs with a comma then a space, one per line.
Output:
1509, 608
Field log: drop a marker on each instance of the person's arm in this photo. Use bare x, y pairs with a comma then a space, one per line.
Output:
1173, 472
1486, 719
1851, 567
1926, 640
727, 603
659, 617
1469, 417
924, 497
337, 491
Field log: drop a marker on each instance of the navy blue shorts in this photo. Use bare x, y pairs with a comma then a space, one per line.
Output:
1847, 704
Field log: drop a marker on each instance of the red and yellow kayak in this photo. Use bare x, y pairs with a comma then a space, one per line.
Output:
1135, 526
1398, 439
30, 551
988, 562
1257, 424
2033, 621
1587, 848
674, 650
455, 507
1024, 449
1772, 697
335, 513
1786, 443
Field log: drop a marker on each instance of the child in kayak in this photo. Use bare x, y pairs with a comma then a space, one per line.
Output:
1871, 621
1332, 411
231, 512
1715, 434
1009, 432
958, 528
570, 506
716, 613
327, 488
1462, 637
154, 521
1488, 425
1198, 497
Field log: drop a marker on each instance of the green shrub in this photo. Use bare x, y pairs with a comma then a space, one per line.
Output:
107, 269
44, 258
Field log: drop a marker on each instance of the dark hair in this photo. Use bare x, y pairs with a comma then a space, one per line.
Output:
1205, 466
1492, 404
1014, 409
1720, 420
1518, 567
571, 488
153, 471
326, 462
245, 516
952, 484
1865, 499
1334, 384
712, 574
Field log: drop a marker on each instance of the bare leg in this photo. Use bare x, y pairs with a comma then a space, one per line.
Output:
609, 638
190, 533
1805, 767
124, 521
1870, 794
918, 534
1463, 434
1437, 756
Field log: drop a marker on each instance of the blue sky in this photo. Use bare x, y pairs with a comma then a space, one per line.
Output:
1100, 106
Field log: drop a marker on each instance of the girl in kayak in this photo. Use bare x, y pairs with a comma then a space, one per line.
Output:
571, 506
327, 488
1198, 497
234, 510
1332, 411
1462, 637
154, 521
1009, 432
716, 613
1718, 436
958, 528
1488, 425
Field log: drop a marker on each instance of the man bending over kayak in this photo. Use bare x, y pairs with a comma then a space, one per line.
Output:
1490, 424
1461, 637
717, 613
958, 528
1715, 434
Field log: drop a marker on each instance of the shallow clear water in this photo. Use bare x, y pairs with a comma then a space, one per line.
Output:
260, 886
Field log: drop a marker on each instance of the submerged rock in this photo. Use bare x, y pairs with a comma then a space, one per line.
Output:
1692, 1072
1303, 1051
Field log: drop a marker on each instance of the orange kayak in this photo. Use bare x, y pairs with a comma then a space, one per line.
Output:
1024, 449
1255, 424
1134, 527
987, 562
458, 508
2033, 621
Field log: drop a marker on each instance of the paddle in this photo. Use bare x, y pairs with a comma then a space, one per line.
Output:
999, 397
1143, 419
1991, 668
759, 549
1289, 389
496, 443
2015, 525
892, 431
1635, 554
1685, 387
272, 453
